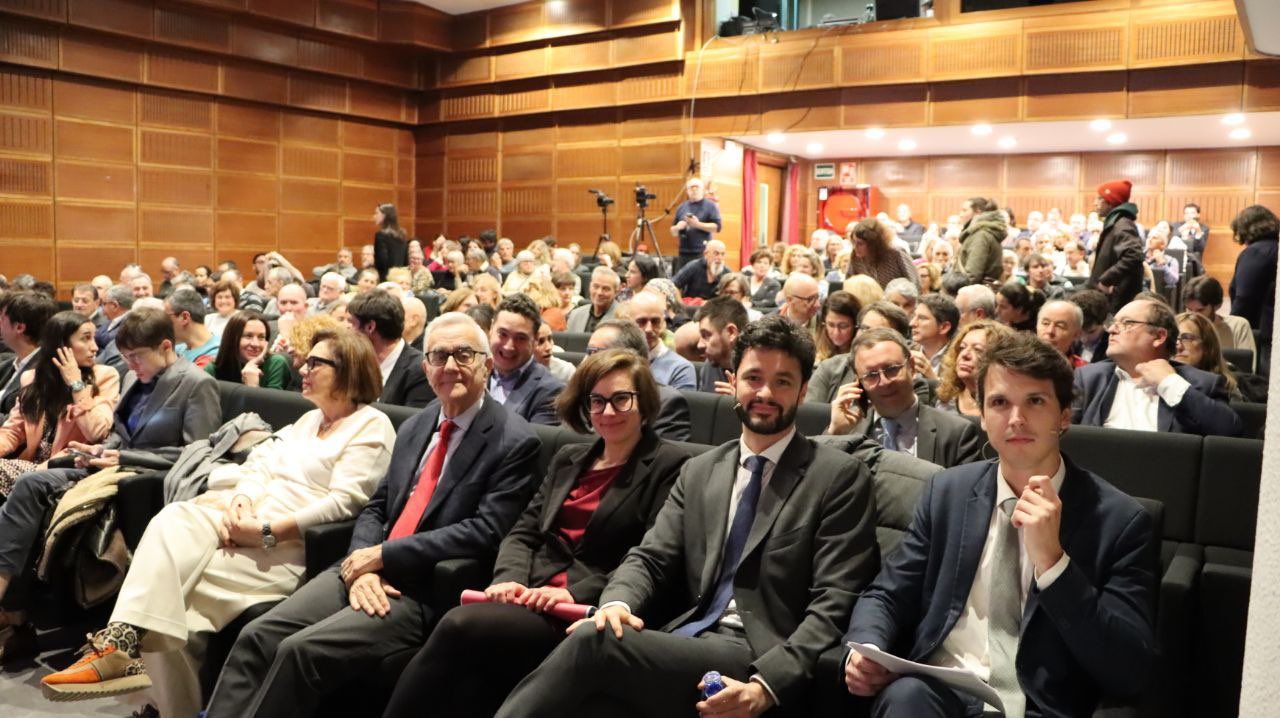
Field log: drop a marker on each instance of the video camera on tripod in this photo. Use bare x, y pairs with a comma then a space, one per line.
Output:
643, 196
602, 200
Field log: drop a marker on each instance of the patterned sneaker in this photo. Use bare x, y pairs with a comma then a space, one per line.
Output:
103, 670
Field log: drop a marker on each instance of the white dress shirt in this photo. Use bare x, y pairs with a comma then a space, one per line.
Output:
463, 422
967, 645
1137, 406
393, 356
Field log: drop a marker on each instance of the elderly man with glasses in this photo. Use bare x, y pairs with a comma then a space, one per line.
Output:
801, 298
1137, 387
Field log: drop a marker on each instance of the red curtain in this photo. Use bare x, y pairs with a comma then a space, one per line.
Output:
749, 192
791, 205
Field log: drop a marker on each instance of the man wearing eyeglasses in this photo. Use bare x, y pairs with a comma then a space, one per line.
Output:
527, 388
801, 298
1137, 387
883, 405
461, 472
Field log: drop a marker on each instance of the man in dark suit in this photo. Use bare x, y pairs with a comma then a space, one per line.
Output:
22, 318
519, 382
380, 317
763, 544
1137, 387
673, 420
165, 404
1117, 263
882, 404
720, 321
1194, 234
1031, 572
461, 472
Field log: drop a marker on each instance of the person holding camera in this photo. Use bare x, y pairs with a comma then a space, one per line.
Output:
696, 220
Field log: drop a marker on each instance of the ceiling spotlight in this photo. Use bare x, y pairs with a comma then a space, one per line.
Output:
981, 129
1117, 138
556, 6
813, 148
775, 138
1235, 118
1007, 143
907, 145
1241, 133
875, 133
1100, 125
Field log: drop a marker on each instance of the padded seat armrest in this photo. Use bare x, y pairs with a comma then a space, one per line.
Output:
453, 576
325, 544
139, 497
1175, 614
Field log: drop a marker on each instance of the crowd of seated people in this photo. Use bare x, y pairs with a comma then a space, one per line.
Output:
752, 558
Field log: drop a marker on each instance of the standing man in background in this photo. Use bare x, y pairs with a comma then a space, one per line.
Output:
696, 220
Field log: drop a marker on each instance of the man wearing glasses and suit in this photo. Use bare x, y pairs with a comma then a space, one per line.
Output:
461, 472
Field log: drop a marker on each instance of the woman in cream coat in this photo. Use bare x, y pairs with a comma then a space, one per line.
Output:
203, 562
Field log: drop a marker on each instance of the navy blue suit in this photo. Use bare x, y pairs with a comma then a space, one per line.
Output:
1203, 409
1087, 635
534, 397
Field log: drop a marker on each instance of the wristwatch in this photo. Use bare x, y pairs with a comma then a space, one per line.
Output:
76, 385
268, 540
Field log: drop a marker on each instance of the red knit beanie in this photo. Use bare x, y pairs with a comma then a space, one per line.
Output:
1115, 192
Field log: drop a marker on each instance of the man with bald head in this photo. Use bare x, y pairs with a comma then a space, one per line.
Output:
169, 271
697, 219
1059, 324
800, 300
700, 279
648, 310
415, 321
292, 300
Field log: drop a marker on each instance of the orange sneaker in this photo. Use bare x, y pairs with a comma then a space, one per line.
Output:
103, 670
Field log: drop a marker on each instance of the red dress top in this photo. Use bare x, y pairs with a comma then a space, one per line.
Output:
579, 505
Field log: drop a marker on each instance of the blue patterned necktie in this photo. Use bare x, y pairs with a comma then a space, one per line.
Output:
734, 544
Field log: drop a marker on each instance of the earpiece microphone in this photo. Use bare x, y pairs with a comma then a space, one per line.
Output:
737, 405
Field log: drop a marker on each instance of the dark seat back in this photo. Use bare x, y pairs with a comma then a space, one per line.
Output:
1253, 416
574, 358
1164, 467
1242, 359
704, 412
276, 407
812, 419
571, 341
1230, 473
397, 414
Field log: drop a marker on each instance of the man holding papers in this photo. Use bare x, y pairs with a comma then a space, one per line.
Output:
1031, 572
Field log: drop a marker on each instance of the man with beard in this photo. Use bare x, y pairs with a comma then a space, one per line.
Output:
761, 548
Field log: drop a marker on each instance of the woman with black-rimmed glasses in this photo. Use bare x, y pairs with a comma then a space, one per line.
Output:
596, 502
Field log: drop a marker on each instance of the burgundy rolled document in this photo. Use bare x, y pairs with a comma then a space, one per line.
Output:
564, 611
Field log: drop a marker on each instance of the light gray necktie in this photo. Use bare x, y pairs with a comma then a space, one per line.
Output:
1005, 614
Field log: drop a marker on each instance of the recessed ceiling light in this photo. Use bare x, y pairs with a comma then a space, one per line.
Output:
981, 129
1241, 133
1007, 143
907, 145
1235, 118
556, 6
775, 138
1117, 138
875, 133
1100, 125
813, 148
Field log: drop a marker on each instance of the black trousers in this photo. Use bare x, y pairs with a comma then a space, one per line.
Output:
920, 697
652, 672
474, 657
21, 520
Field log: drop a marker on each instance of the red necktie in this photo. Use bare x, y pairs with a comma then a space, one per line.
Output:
416, 506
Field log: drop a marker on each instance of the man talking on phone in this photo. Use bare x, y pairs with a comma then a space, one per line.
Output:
696, 220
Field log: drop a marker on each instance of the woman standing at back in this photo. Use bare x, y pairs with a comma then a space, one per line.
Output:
390, 244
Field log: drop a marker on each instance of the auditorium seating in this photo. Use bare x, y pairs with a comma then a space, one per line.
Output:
1240, 358
1206, 490
572, 341
1253, 416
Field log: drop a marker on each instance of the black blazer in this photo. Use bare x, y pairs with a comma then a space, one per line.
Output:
941, 438
534, 552
407, 385
811, 549
1203, 409
1118, 260
486, 483
672, 422
389, 250
1088, 634
534, 398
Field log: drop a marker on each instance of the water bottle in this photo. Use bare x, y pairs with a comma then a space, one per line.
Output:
712, 684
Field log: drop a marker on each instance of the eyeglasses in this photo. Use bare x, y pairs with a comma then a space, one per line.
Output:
1127, 324
889, 373
463, 356
1189, 339
622, 402
806, 300
312, 362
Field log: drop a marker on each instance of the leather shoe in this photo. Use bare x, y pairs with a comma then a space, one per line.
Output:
17, 642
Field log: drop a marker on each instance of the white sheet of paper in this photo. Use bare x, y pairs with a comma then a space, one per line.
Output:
957, 678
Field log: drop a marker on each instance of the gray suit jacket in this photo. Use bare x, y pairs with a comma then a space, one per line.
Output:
834, 372
941, 438
810, 551
183, 409
534, 398
577, 319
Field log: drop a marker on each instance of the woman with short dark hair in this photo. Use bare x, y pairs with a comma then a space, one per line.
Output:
202, 562
1018, 305
596, 502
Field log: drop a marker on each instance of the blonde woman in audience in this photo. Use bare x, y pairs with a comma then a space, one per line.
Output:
487, 289
958, 387
609, 255
543, 292
840, 266
401, 277
1008, 263
1198, 346
420, 278
778, 251
799, 258
295, 342
865, 289
202, 562
224, 297
460, 300
540, 251
526, 264
930, 276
